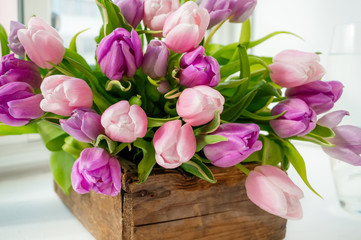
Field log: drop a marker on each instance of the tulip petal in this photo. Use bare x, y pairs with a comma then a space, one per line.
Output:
331, 120
343, 154
187, 144
184, 42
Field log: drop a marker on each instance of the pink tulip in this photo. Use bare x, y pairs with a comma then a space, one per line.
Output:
63, 94
198, 105
292, 68
124, 122
272, 190
42, 43
184, 29
174, 144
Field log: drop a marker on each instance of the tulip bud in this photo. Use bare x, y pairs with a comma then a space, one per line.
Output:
155, 61
199, 104
272, 190
218, 10
16, 70
298, 120
132, 10
124, 122
63, 94
95, 170
174, 144
42, 43
14, 43
198, 69
120, 53
242, 142
242, 10
18, 104
184, 29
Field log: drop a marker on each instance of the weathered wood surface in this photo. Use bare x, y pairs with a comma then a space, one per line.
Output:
173, 205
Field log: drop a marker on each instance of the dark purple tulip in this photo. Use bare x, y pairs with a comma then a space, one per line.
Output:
242, 142
95, 170
83, 125
218, 10
299, 119
155, 60
319, 95
132, 10
18, 104
120, 53
14, 43
16, 70
242, 10
198, 69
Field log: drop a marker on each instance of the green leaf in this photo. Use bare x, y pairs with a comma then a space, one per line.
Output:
272, 153
4, 41
232, 113
210, 127
52, 135
314, 139
110, 143
245, 32
9, 130
261, 40
224, 54
74, 147
322, 131
248, 114
203, 140
148, 161
70, 54
61, 164
72, 45
198, 169
157, 122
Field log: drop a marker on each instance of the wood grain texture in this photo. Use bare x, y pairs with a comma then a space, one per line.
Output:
174, 205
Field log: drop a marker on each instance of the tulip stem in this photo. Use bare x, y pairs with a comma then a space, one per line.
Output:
214, 30
243, 168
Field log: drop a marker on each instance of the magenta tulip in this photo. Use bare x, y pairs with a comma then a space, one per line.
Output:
199, 104
14, 43
272, 190
174, 144
42, 43
132, 10
292, 68
63, 94
95, 170
155, 61
124, 122
218, 10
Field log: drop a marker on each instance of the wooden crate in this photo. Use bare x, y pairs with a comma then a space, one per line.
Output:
174, 205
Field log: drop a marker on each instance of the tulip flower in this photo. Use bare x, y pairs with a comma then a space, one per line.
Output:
16, 70
292, 68
18, 104
132, 10
241, 10
42, 43
298, 120
124, 122
184, 29
242, 142
120, 53
14, 43
95, 170
199, 104
272, 190
157, 11
63, 94
319, 95
197, 69
83, 125
155, 61
218, 10
347, 138
174, 144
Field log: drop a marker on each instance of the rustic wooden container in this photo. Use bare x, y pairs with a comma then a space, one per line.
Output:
174, 205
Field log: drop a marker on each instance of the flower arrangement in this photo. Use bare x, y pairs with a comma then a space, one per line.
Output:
161, 94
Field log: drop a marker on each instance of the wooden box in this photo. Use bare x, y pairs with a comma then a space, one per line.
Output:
174, 205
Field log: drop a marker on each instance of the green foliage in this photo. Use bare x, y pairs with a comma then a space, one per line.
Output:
110, 144
72, 45
9, 130
148, 161
61, 164
199, 169
203, 140
52, 135
157, 122
4, 41
74, 147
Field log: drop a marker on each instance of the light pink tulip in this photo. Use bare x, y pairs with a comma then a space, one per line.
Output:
63, 94
157, 11
292, 68
174, 144
184, 29
198, 105
42, 43
124, 122
272, 190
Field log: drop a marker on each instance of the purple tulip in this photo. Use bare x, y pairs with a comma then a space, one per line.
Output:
14, 43
83, 125
120, 53
132, 10
218, 10
242, 142
16, 70
198, 69
347, 138
155, 61
319, 95
242, 10
298, 120
18, 104
95, 170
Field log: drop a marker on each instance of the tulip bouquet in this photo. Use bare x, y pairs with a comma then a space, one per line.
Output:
163, 95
